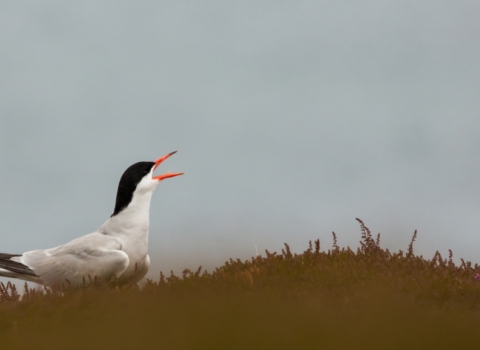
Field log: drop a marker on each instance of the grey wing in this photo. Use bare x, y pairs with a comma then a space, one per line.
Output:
93, 255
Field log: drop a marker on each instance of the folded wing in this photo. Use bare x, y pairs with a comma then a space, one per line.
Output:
90, 256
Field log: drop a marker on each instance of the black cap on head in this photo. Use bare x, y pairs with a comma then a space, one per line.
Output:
128, 183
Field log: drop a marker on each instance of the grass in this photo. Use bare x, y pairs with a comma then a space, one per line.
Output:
335, 299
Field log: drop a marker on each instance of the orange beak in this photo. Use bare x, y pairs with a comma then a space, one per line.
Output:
166, 175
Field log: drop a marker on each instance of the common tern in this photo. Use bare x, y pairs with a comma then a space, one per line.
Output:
116, 251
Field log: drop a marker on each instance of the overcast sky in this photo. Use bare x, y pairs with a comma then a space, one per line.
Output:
291, 119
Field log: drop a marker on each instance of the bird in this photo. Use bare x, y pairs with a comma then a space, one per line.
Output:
116, 252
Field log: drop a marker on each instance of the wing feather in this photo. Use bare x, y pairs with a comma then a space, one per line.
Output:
93, 255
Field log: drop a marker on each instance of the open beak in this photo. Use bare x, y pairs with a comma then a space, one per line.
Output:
166, 175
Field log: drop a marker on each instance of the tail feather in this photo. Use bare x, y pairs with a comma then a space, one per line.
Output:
14, 266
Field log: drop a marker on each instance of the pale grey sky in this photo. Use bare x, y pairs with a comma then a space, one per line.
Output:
292, 118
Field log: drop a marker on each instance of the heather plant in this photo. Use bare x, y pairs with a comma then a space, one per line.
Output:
336, 298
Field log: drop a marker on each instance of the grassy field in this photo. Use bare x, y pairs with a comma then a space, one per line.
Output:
335, 299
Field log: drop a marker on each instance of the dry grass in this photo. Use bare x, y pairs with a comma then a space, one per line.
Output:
335, 299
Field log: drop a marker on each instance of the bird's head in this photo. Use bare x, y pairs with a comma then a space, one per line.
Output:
139, 179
